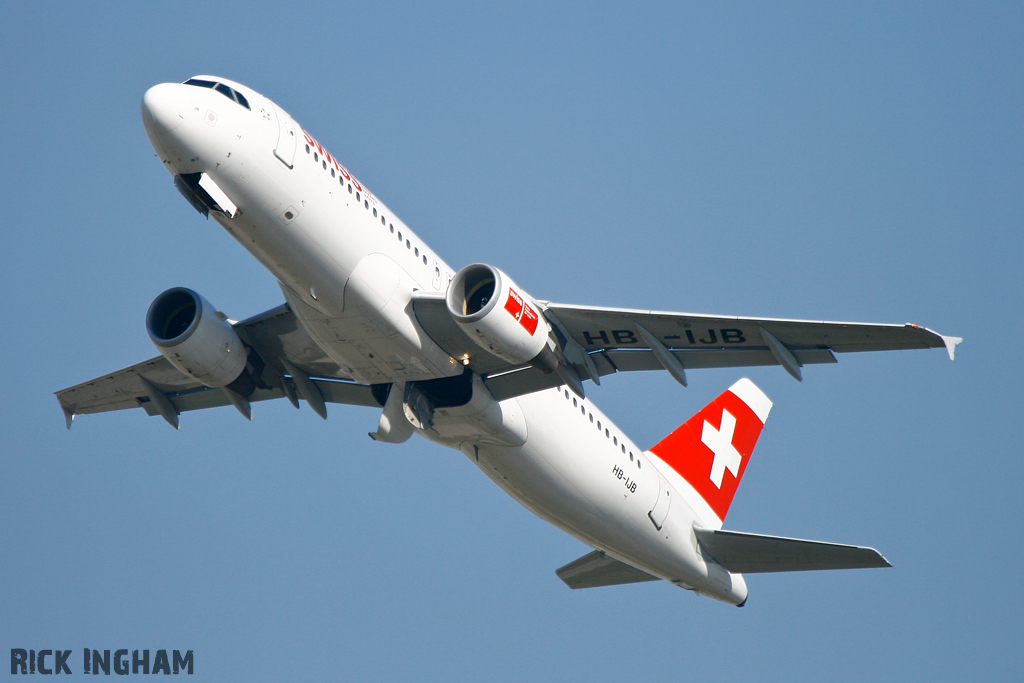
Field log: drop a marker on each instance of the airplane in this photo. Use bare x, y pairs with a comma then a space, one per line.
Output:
468, 358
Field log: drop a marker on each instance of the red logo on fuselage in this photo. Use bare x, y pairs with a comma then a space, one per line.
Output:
331, 161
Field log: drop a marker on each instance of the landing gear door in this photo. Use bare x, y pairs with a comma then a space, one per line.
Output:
286, 139
659, 512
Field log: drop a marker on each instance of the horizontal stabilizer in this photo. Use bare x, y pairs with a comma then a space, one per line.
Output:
753, 553
597, 569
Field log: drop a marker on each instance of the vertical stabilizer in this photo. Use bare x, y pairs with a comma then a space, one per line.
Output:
711, 450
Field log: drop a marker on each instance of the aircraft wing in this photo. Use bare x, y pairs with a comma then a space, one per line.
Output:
275, 338
600, 341
732, 341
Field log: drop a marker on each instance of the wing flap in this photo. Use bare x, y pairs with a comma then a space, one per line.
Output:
597, 569
347, 393
526, 380
753, 553
630, 360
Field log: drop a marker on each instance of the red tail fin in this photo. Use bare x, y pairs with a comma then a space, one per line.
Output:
711, 450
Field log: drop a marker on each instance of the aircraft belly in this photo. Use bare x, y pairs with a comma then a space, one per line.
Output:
367, 331
565, 473
265, 230
353, 303
480, 421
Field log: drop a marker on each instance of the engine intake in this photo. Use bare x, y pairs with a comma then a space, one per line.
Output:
496, 313
195, 338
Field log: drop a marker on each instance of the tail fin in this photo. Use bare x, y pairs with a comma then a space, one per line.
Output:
710, 451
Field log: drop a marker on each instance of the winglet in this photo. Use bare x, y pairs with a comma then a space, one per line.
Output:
69, 416
951, 343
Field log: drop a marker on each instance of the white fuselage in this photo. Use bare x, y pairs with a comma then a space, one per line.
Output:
348, 268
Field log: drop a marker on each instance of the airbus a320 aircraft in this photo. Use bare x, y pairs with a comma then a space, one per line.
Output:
468, 359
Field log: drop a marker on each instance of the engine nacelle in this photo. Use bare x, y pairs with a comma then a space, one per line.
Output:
195, 338
496, 313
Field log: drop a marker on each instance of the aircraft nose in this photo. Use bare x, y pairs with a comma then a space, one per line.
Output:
163, 108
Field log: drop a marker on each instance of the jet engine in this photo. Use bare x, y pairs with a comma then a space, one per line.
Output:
499, 316
195, 338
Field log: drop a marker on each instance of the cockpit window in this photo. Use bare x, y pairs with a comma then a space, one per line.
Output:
224, 90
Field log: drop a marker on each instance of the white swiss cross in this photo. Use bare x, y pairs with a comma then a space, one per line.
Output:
720, 443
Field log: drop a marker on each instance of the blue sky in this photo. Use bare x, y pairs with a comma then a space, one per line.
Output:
843, 162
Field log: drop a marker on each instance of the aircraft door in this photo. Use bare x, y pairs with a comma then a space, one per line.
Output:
437, 276
286, 139
661, 506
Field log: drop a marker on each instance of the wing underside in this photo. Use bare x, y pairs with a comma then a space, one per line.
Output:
276, 341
